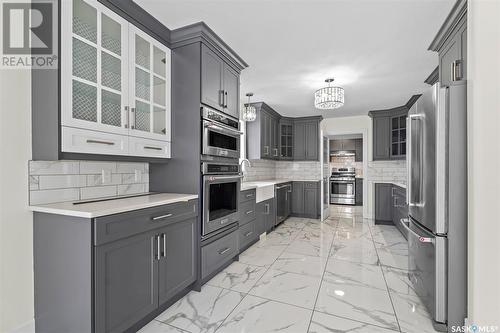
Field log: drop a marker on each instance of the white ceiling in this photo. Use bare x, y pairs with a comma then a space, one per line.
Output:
376, 49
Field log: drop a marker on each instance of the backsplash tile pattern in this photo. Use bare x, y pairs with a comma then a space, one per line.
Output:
394, 171
59, 181
265, 169
346, 162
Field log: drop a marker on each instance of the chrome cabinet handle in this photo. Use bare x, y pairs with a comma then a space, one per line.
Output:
127, 116
109, 143
249, 195
248, 233
164, 239
221, 252
275, 152
152, 148
249, 212
268, 209
132, 110
421, 239
221, 98
157, 254
161, 217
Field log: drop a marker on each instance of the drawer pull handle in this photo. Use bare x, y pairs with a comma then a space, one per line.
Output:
249, 195
249, 212
224, 221
152, 148
221, 252
109, 143
161, 217
248, 233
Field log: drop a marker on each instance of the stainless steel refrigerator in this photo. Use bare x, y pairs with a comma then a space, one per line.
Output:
437, 200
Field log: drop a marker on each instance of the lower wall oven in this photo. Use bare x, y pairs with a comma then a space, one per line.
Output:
221, 188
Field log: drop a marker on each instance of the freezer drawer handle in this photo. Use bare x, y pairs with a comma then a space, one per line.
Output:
421, 239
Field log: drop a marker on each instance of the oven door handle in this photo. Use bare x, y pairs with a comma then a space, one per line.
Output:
222, 128
224, 177
343, 181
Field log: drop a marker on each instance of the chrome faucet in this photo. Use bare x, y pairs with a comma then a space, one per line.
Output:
243, 162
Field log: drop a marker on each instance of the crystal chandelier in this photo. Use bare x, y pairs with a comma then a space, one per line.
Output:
329, 97
248, 113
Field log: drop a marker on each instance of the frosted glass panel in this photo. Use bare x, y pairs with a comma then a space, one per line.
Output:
142, 116
142, 53
111, 108
159, 120
110, 71
111, 35
85, 20
159, 94
84, 101
84, 60
159, 60
142, 84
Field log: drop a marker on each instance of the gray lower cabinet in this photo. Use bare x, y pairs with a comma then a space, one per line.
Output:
126, 282
266, 215
108, 273
306, 199
248, 226
399, 208
383, 203
218, 253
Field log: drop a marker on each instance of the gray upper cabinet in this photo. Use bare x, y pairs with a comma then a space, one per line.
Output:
263, 134
220, 84
212, 67
389, 133
286, 139
306, 139
275, 132
381, 138
451, 45
177, 268
335, 145
126, 287
358, 144
349, 144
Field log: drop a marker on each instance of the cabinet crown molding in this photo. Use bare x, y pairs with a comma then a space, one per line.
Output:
201, 32
457, 13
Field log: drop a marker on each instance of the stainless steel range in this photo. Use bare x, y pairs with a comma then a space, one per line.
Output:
343, 186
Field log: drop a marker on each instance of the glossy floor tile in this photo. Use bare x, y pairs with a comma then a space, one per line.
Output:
344, 274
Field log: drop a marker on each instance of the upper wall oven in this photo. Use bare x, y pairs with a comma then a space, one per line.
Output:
221, 134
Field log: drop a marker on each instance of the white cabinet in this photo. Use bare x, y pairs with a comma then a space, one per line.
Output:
115, 83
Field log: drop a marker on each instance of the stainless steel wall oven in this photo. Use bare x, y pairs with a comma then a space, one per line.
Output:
221, 134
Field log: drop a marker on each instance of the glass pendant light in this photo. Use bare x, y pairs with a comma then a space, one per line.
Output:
329, 97
248, 113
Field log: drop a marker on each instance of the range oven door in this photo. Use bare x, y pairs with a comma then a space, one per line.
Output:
343, 189
220, 140
220, 201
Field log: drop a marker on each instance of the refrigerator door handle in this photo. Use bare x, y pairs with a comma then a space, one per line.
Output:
422, 239
410, 161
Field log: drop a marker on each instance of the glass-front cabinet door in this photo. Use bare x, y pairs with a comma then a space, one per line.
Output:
94, 73
149, 87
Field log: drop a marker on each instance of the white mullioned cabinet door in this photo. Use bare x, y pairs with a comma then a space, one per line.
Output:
149, 90
94, 72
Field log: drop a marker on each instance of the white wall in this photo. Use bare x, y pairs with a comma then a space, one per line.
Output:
16, 231
483, 34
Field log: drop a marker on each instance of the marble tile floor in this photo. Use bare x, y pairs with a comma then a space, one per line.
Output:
341, 275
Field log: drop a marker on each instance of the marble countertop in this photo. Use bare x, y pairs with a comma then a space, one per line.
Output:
259, 183
115, 206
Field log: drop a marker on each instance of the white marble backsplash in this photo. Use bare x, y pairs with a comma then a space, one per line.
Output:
346, 162
265, 169
394, 171
60, 181
298, 170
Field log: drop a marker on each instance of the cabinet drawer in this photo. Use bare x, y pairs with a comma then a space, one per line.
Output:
247, 212
247, 195
247, 234
76, 140
311, 184
217, 253
149, 148
113, 227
